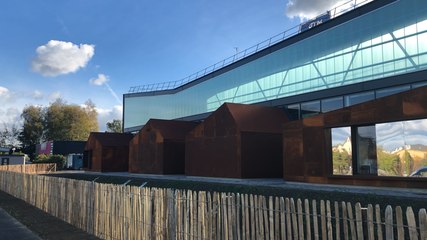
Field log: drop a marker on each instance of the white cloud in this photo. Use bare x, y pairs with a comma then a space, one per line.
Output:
37, 95
10, 116
107, 115
6, 95
308, 9
3, 91
58, 57
55, 95
101, 79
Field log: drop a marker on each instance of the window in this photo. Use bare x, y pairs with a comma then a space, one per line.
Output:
390, 91
384, 149
332, 104
366, 150
358, 98
402, 147
421, 84
341, 151
309, 109
293, 111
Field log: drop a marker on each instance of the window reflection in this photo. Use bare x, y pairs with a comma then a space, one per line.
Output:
366, 151
310, 109
358, 98
390, 91
293, 112
402, 147
341, 151
386, 149
332, 104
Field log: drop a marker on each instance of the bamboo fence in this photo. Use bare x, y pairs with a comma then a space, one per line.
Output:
124, 212
38, 168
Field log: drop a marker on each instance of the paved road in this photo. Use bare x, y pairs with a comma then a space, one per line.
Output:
11, 229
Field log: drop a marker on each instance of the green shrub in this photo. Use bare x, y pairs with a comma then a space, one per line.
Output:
41, 157
60, 160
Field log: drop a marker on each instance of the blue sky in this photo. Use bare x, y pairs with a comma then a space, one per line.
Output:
97, 49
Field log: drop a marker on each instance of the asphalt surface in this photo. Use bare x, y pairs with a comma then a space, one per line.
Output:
10, 228
20, 220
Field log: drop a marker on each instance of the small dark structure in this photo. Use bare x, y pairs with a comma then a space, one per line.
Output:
4, 150
107, 152
237, 141
307, 143
159, 148
61, 147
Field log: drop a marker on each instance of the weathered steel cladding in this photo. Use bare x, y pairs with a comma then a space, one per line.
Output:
159, 148
306, 142
237, 141
108, 152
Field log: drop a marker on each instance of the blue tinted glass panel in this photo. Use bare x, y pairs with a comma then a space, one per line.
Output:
378, 44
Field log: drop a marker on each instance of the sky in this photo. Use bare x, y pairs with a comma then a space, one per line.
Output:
78, 50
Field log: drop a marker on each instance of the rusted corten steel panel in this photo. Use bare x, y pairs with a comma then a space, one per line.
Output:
306, 143
109, 152
134, 164
159, 148
237, 141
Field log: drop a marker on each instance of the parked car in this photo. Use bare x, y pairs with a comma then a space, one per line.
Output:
420, 172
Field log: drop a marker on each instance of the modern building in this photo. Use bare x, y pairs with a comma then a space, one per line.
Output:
342, 64
366, 50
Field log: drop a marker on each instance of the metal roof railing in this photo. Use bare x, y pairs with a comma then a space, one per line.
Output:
339, 10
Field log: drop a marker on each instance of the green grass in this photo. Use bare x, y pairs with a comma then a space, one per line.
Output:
333, 195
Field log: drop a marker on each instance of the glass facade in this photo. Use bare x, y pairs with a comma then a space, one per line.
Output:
382, 43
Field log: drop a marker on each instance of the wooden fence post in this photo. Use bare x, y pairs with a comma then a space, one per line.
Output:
307, 219
271, 217
370, 218
389, 223
288, 218
277, 212
315, 222
422, 216
323, 219
329, 219
399, 223
300, 220
351, 221
282, 218
294, 219
337, 221
253, 217
412, 225
359, 223
378, 219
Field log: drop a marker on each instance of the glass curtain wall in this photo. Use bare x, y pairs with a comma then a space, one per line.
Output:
381, 43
